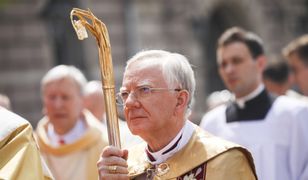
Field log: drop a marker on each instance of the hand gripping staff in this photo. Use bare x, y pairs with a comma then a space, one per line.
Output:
87, 20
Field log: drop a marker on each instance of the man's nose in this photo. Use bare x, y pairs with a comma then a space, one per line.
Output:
58, 102
229, 68
131, 100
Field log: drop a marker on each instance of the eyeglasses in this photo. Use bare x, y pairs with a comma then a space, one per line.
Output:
140, 92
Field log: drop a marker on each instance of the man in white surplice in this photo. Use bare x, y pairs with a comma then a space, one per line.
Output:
273, 128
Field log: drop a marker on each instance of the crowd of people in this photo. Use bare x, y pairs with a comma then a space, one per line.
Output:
254, 129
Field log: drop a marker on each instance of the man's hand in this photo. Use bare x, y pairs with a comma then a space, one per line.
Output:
112, 164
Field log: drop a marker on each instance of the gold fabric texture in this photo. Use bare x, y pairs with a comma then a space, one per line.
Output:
19, 154
223, 160
86, 150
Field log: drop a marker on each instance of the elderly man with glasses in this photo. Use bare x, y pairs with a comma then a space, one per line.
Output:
156, 94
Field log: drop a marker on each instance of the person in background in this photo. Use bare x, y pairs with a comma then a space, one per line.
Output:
273, 128
296, 52
94, 102
276, 77
278, 80
20, 156
69, 136
156, 94
218, 98
5, 101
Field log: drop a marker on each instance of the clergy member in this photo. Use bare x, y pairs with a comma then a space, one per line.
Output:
156, 94
273, 128
296, 52
69, 137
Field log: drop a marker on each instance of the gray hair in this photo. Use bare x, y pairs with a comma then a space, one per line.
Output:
65, 71
175, 67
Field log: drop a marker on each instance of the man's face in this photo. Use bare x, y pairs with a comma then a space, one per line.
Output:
149, 115
300, 71
62, 103
239, 71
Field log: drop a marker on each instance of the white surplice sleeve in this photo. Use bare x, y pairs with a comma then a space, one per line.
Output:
299, 144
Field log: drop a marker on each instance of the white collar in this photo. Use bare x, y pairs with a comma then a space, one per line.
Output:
182, 137
242, 100
74, 134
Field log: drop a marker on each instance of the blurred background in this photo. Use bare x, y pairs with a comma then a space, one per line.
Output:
36, 35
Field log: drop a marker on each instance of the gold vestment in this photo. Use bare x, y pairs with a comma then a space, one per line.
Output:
203, 157
19, 154
78, 159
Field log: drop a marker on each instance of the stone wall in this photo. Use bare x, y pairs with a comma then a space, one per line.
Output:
25, 55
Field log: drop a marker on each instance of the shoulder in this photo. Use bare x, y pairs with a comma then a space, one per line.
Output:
203, 148
11, 122
16, 135
9, 118
292, 101
224, 154
96, 132
212, 145
288, 105
95, 125
213, 116
232, 164
91, 120
296, 95
216, 111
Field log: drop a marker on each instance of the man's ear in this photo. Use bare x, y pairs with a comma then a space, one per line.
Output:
182, 99
261, 62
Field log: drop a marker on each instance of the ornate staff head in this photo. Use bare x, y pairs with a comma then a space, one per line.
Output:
99, 31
